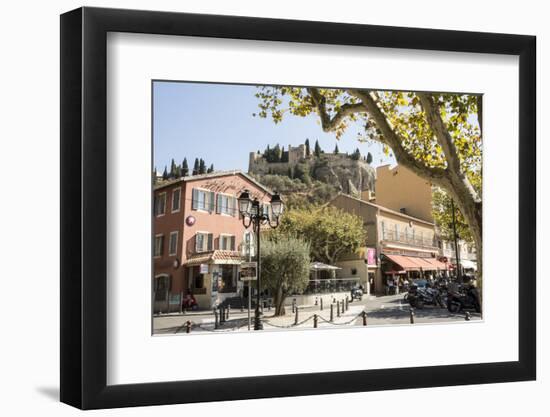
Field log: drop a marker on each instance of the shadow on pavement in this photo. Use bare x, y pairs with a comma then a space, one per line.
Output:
425, 313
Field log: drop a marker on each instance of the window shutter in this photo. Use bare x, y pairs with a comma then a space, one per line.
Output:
233, 206
219, 204
210, 238
195, 199
212, 201
197, 241
232, 242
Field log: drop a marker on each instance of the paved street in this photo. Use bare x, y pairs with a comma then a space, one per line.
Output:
381, 311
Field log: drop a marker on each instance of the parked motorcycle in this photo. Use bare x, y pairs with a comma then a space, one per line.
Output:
418, 297
466, 298
356, 293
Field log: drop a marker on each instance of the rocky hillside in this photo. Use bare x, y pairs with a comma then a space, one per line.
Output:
347, 175
318, 179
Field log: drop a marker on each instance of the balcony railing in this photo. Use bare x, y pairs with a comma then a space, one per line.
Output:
408, 238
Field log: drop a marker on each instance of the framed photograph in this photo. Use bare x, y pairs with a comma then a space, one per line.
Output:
260, 208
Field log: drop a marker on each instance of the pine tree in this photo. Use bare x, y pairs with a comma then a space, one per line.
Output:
356, 155
184, 168
317, 149
165, 173
369, 158
196, 166
308, 150
202, 166
211, 169
336, 149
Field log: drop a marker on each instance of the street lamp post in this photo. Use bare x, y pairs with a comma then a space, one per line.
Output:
253, 214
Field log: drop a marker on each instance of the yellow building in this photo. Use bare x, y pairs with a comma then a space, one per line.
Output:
400, 189
405, 245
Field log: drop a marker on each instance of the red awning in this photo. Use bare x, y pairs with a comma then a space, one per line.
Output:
414, 263
405, 262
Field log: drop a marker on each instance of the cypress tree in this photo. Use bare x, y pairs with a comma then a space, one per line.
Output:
211, 169
336, 149
308, 150
184, 168
172, 169
165, 173
369, 158
202, 166
196, 167
317, 149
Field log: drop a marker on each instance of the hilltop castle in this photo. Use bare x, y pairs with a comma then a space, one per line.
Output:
351, 174
258, 164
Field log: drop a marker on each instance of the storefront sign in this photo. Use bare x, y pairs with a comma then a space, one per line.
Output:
249, 271
371, 256
204, 269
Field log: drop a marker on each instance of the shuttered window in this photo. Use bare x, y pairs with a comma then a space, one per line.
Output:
176, 200
227, 242
226, 204
173, 245
203, 200
160, 204
159, 245
204, 242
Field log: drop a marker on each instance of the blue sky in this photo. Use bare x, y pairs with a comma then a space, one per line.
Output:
215, 122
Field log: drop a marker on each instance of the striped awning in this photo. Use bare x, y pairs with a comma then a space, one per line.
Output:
217, 257
416, 263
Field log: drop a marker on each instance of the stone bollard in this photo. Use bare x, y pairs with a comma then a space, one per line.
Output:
332, 312
315, 321
187, 326
321, 305
347, 303
216, 323
316, 300
296, 316
337, 308
467, 316
294, 305
412, 316
364, 314
227, 312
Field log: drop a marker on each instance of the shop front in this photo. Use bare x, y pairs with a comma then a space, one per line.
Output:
213, 277
397, 269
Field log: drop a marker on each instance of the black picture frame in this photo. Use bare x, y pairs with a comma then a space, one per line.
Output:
84, 207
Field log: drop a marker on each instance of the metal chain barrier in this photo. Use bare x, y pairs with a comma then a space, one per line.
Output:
187, 326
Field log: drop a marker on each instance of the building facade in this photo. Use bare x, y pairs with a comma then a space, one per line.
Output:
199, 240
405, 246
400, 189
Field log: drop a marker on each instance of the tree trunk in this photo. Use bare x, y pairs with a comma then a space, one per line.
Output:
279, 300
